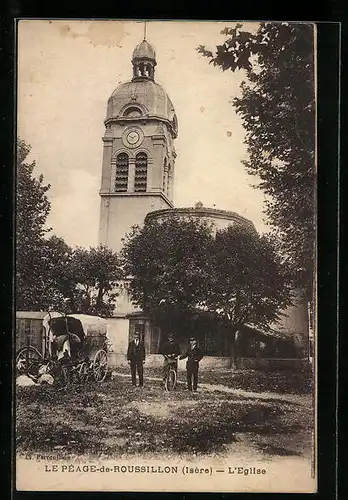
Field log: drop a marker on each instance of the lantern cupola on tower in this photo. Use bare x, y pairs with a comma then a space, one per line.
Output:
144, 62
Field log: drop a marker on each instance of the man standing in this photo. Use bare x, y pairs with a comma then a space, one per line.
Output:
136, 359
194, 355
171, 351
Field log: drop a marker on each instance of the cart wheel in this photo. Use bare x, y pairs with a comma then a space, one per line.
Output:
100, 366
27, 360
51, 366
83, 371
65, 375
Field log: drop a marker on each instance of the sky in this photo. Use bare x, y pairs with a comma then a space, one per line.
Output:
67, 70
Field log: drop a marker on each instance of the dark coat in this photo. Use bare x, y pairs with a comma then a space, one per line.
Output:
193, 356
170, 348
136, 352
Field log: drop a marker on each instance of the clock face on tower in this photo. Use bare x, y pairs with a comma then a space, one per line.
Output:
132, 137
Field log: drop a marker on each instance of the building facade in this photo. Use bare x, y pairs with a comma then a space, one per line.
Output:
137, 185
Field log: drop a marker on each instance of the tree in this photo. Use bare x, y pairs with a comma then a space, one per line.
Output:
50, 274
87, 280
55, 255
32, 209
277, 107
166, 263
247, 284
178, 268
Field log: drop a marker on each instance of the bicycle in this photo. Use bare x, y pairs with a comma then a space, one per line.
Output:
170, 379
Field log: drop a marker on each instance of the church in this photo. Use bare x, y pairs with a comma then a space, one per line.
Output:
137, 179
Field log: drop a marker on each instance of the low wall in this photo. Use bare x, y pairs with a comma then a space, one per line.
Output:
156, 360
218, 363
152, 361
274, 364
212, 362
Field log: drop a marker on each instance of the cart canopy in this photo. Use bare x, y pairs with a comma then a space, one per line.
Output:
82, 325
92, 325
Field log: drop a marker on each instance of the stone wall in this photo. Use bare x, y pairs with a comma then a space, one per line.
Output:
117, 334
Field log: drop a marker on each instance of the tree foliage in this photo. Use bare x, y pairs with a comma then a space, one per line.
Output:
277, 107
248, 282
49, 273
179, 266
87, 281
32, 209
166, 262
54, 256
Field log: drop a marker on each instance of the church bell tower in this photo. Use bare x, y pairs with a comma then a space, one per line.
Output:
138, 153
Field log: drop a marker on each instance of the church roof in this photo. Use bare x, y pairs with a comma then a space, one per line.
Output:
202, 212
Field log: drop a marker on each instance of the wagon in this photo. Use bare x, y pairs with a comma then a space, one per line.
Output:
75, 342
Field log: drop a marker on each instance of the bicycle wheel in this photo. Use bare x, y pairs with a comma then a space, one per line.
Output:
170, 380
100, 366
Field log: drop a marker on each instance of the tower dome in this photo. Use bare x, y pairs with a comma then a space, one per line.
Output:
142, 97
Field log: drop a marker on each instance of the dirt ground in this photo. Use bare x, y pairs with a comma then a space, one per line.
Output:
113, 419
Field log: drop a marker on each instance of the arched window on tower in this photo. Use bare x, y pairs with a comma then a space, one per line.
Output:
122, 168
140, 180
132, 111
142, 69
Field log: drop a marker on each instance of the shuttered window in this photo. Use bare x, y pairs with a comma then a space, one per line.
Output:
122, 169
140, 180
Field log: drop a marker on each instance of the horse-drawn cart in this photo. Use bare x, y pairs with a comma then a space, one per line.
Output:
73, 346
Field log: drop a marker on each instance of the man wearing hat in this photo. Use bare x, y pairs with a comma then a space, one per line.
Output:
170, 351
194, 355
136, 359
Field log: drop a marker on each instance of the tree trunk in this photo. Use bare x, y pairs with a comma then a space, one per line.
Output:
233, 349
71, 299
234, 329
99, 300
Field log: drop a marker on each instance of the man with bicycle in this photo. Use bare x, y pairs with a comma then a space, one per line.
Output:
171, 352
